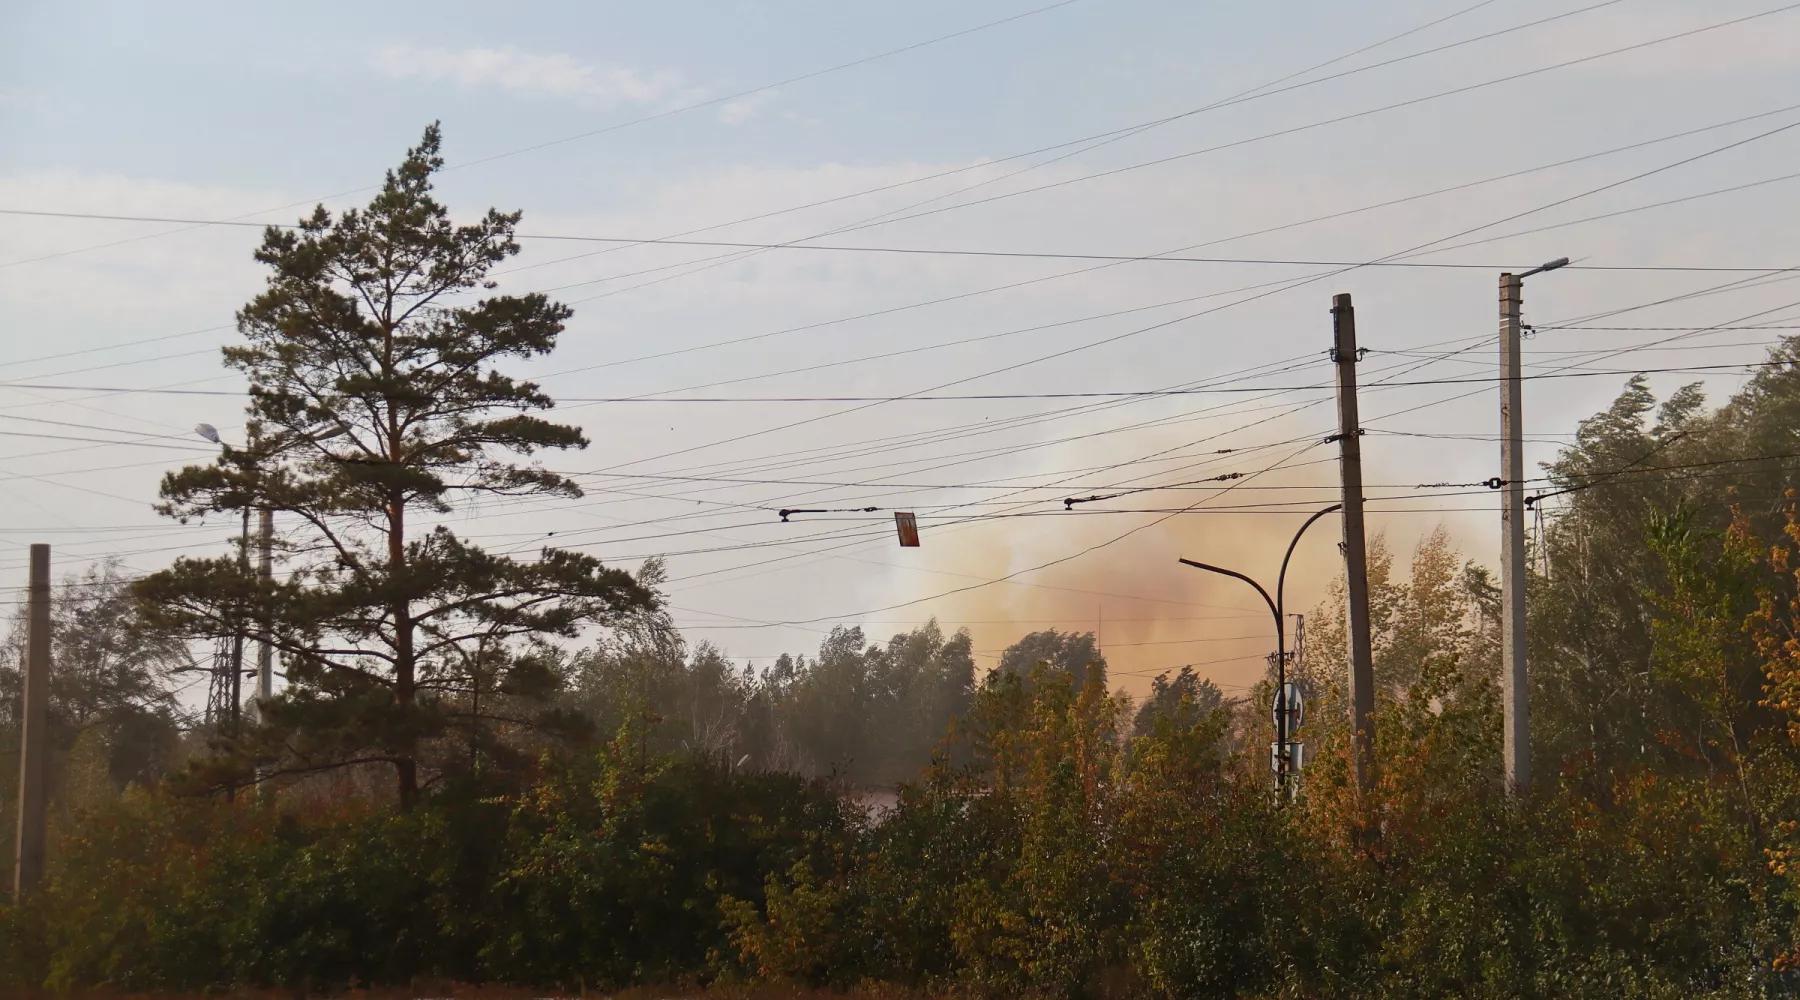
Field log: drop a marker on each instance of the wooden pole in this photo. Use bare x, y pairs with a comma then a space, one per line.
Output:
1356, 564
28, 860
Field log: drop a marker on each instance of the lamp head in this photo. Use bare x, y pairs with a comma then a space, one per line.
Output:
1551, 266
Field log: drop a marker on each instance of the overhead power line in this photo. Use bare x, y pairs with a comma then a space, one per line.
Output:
1264, 90
670, 112
1150, 258
1294, 284
970, 397
1107, 262
1165, 513
1053, 562
1579, 60
763, 469
1082, 146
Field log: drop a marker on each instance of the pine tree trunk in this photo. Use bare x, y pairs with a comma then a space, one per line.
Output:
405, 764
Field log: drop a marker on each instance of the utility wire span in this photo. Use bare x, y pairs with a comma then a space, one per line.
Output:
763, 469
982, 582
721, 260
1083, 146
1138, 258
1359, 114
1102, 266
1302, 504
1164, 258
856, 539
1295, 283
740, 568
1603, 478
1666, 329
1383, 265
697, 105
1167, 255
1682, 200
996, 396
857, 542
886, 447
1110, 467
1057, 561
1211, 457
1092, 142
1553, 18
1100, 138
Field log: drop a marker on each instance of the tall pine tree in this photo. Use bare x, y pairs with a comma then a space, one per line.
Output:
375, 403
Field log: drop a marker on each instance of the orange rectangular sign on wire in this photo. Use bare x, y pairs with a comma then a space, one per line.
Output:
908, 527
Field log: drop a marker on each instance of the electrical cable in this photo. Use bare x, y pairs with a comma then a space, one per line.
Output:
1163, 256
1365, 113
1101, 138
588, 134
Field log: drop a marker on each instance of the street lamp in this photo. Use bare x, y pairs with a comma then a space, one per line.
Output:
265, 668
1283, 710
265, 654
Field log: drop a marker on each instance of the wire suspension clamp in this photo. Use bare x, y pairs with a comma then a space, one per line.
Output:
787, 512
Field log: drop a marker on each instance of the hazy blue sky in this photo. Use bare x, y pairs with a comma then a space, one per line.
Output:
216, 111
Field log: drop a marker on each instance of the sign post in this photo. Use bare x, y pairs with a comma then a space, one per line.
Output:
1287, 710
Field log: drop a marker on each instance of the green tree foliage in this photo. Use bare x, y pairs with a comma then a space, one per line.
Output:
605, 873
376, 404
1442, 614
1073, 653
869, 713
113, 719
1183, 703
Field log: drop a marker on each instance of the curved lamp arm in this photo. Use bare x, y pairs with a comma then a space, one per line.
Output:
1235, 574
1281, 581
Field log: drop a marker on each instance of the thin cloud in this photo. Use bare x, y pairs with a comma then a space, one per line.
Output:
1768, 45
528, 74
745, 108
25, 99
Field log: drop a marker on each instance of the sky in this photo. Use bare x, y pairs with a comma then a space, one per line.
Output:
953, 187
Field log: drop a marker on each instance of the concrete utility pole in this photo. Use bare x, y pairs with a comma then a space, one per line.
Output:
28, 860
265, 656
1514, 694
1356, 562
